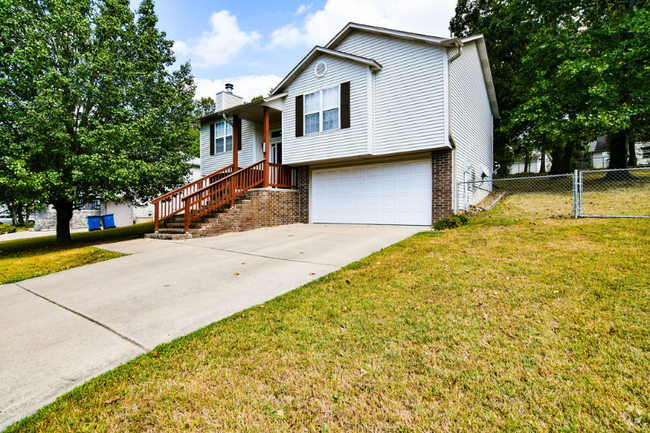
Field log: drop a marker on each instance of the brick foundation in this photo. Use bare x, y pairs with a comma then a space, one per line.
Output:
303, 193
256, 209
442, 178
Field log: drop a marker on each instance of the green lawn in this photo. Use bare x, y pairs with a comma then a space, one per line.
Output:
504, 324
21, 259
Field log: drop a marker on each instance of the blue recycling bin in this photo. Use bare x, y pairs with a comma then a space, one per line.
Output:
93, 223
107, 221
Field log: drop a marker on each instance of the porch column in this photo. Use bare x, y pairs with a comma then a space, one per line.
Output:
236, 138
267, 147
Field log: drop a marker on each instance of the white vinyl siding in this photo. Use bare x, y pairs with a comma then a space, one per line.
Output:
335, 143
471, 120
252, 136
409, 92
386, 193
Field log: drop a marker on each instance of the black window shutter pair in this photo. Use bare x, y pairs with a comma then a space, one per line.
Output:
211, 139
345, 110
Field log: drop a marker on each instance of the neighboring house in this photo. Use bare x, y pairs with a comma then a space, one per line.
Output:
377, 127
599, 151
124, 213
534, 165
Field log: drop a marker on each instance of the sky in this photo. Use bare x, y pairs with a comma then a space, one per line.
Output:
254, 44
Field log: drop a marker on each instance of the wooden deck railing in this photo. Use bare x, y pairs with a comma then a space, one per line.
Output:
282, 176
226, 190
170, 204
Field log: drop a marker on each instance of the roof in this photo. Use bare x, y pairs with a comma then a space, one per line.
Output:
316, 51
248, 111
330, 48
351, 27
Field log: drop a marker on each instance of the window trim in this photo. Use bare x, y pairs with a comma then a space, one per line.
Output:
320, 110
224, 136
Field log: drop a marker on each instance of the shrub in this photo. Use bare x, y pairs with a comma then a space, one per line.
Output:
451, 222
7, 228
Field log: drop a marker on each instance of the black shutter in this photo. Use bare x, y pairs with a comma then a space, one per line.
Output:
239, 140
345, 105
211, 139
300, 117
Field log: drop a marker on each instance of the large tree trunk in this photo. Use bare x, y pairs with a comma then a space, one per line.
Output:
631, 162
542, 163
618, 143
64, 211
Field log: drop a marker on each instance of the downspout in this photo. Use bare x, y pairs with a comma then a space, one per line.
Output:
226, 119
459, 45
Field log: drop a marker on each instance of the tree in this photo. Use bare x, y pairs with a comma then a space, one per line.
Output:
89, 108
565, 72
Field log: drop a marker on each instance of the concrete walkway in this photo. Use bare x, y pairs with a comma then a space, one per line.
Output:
60, 330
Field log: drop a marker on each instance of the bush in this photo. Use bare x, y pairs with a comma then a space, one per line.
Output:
7, 228
451, 222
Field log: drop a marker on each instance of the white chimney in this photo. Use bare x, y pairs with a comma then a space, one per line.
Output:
226, 99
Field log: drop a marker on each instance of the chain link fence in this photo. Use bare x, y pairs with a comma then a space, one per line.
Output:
621, 193
614, 193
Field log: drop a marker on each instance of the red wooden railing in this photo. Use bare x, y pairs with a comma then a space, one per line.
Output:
172, 203
282, 176
225, 190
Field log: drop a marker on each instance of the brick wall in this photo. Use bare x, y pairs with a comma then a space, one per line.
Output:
442, 175
303, 191
256, 209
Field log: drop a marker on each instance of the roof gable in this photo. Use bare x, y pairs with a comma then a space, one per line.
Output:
315, 52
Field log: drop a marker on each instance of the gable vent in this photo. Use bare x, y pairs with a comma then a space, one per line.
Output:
321, 69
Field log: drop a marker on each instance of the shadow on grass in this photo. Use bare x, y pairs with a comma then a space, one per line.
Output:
136, 231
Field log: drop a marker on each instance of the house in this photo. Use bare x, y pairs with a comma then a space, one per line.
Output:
534, 164
599, 151
379, 126
124, 213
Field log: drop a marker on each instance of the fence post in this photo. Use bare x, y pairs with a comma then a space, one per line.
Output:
575, 193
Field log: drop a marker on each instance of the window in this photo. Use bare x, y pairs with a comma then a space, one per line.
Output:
222, 137
322, 110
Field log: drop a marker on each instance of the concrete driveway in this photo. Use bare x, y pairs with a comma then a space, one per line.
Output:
60, 330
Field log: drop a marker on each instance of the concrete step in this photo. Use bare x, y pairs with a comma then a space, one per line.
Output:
168, 236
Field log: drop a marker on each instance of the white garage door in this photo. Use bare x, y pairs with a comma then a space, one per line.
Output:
390, 193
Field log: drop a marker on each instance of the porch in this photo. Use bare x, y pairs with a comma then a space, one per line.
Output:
223, 189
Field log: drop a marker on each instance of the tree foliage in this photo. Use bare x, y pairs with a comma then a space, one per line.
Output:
565, 72
89, 108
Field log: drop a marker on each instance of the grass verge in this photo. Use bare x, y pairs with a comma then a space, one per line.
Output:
21, 259
500, 325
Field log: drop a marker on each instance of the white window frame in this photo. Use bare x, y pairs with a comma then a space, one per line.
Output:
320, 110
224, 136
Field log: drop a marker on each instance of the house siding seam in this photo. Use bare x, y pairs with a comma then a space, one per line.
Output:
302, 177
409, 86
471, 120
335, 143
442, 186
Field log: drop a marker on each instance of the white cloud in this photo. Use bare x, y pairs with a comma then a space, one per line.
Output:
303, 8
220, 45
430, 17
247, 87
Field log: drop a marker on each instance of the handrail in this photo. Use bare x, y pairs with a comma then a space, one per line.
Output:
282, 176
170, 204
188, 185
217, 194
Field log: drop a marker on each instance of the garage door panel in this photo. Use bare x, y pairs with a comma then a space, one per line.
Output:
389, 193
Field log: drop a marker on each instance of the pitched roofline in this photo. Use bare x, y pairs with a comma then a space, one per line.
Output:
317, 50
350, 27
487, 72
218, 115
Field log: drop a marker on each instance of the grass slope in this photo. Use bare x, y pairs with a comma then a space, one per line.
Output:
21, 259
499, 325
